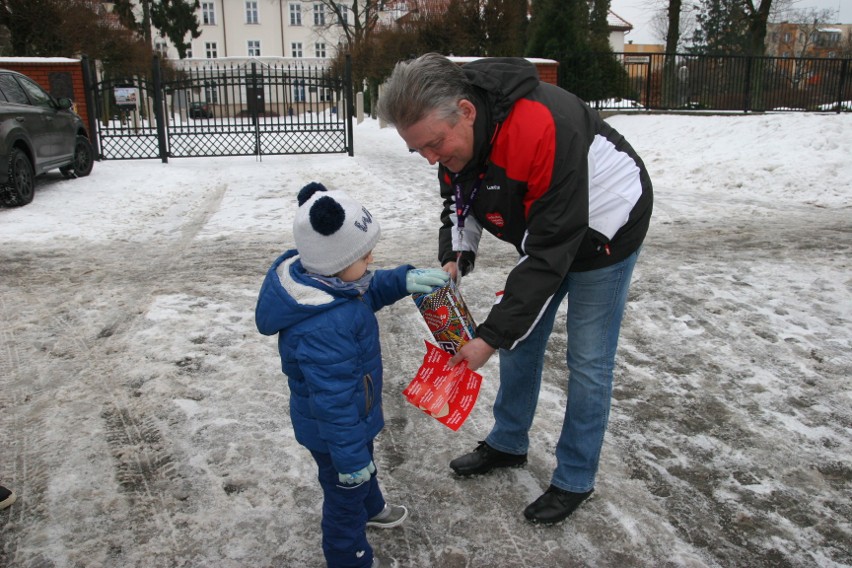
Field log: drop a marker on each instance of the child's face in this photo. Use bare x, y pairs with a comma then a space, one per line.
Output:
357, 269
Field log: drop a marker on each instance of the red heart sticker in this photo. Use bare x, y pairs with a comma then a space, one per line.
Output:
437, 319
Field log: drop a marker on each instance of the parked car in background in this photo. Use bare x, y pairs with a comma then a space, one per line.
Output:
199, 109
37, 133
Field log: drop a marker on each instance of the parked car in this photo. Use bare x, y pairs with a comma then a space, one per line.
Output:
200, 110
37, 133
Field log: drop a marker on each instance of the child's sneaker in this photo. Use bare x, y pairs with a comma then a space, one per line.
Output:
7, 497
390, 517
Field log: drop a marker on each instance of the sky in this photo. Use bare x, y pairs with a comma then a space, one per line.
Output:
641, 13
144, 421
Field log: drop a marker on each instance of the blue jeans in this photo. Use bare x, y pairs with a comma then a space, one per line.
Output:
345, 511
596, 301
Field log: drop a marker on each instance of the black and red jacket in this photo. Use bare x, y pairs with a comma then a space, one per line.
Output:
559, 184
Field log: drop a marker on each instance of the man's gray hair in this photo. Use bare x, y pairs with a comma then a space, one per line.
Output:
417, 88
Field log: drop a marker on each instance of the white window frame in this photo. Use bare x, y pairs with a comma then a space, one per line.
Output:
300, 94
252, 13
208, 13
296, 50
319, 15
211, 49
253, 48
295, 14
320, 50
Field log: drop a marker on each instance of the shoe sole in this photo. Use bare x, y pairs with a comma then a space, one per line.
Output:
10, 500
489, 470
381, 525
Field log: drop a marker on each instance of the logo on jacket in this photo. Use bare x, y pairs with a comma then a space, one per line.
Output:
495, 219
495, 187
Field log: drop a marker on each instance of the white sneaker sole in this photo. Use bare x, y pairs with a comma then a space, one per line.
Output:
384, 525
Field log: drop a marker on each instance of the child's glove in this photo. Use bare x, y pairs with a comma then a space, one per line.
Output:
424, 280
359, 476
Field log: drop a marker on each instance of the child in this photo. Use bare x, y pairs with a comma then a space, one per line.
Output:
320, 299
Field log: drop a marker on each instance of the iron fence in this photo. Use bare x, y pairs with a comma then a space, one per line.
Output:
727, 83
224, 110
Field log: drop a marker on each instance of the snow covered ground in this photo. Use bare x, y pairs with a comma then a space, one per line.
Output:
143, 420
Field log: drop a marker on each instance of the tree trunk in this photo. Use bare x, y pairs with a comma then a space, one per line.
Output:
670, 66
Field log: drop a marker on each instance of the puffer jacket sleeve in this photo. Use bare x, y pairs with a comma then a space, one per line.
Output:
330, 363
387, 287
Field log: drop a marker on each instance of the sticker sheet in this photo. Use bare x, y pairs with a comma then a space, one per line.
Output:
448, 395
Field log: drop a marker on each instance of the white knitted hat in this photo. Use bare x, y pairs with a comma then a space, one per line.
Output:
332, 230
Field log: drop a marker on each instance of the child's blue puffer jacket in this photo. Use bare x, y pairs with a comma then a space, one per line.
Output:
330, 351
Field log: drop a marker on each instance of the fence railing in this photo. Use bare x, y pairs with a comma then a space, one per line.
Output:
223, 110
727, 83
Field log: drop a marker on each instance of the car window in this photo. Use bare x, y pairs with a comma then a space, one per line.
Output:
12, 90
36, 93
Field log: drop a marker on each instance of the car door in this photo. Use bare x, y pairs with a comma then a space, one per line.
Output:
27, 120
58, 124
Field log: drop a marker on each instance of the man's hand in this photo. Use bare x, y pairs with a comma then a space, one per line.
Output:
452, 269
476, 352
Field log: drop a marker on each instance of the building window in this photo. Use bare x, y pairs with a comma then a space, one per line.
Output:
211, 93
788, 37
344, 14
296, 50
208, 13
251, 12
299, 91
189, 51
295, 15
161, 47
319, 14
319, 50
254, 48
210, 50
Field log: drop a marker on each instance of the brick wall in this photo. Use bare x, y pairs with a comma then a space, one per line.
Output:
58, 76
548, 70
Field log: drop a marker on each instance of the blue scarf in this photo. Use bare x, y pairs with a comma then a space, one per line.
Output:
360, 285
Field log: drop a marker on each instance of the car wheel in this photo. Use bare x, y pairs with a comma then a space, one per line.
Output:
84, 159
20, 188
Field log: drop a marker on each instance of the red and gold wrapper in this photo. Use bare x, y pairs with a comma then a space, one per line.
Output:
447, 317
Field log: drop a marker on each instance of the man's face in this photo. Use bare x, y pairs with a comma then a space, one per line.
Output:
441, 141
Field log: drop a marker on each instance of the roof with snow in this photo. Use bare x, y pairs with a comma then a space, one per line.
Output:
617, 23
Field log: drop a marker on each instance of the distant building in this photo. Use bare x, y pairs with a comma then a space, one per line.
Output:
618, 28
788, 39
295, 31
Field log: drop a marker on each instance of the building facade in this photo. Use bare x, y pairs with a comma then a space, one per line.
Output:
788, 39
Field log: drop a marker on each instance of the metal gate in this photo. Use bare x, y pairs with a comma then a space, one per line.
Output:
224, 110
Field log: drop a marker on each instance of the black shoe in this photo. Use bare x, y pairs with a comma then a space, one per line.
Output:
7, 497
485, 458
554, 506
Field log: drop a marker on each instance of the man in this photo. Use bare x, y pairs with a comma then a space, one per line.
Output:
535, 166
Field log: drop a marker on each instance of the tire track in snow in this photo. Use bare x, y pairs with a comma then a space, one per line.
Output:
141, 462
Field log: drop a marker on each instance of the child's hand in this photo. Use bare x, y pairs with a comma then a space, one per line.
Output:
424, 280
359, 477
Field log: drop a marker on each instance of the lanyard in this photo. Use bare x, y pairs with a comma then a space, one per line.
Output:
462, 208
462, 211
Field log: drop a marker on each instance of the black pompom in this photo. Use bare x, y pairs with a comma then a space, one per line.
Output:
327, 216
308, 191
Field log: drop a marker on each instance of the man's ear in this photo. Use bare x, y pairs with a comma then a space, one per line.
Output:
468, 111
